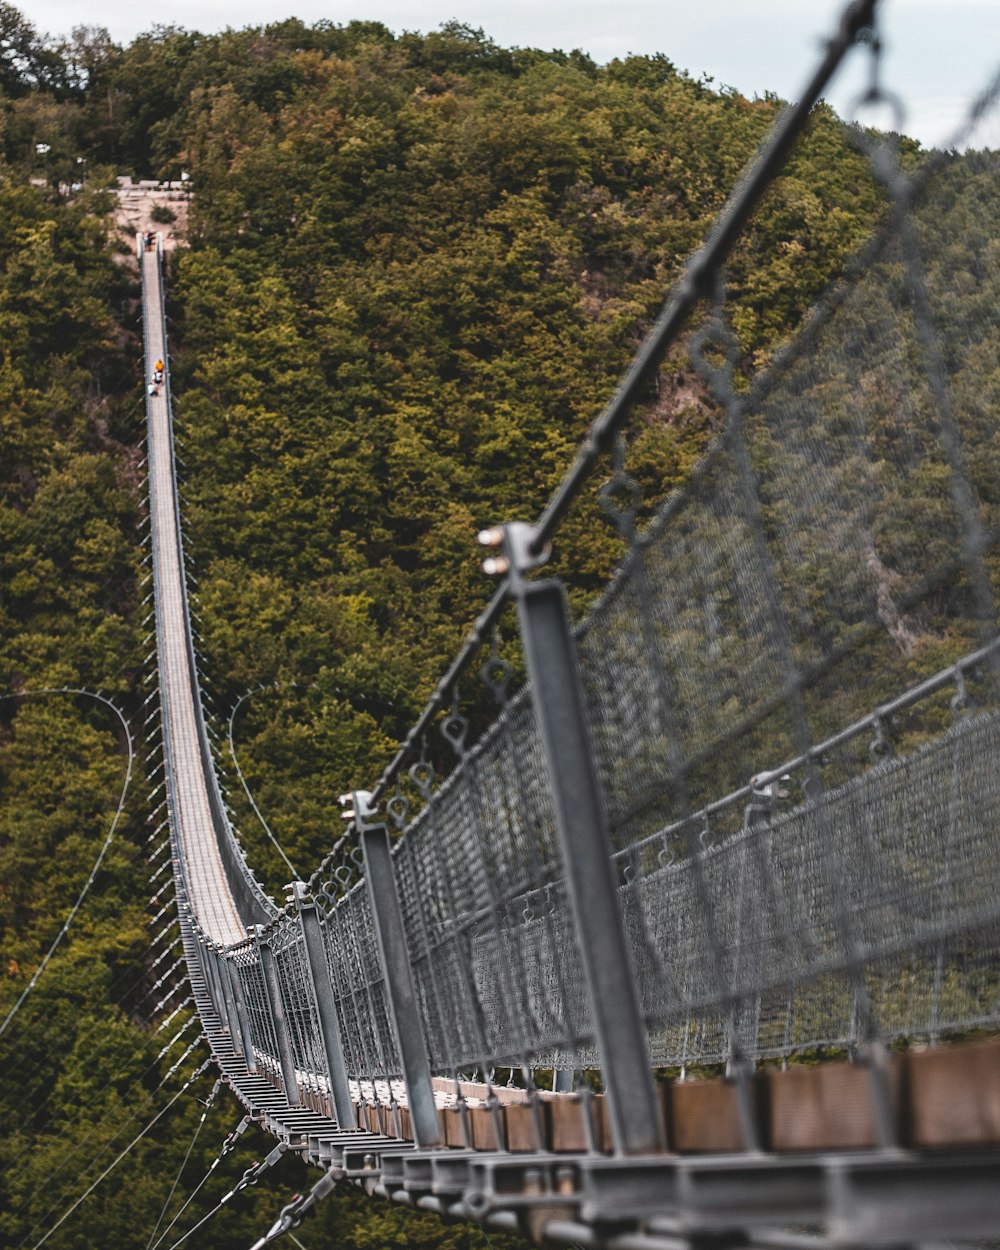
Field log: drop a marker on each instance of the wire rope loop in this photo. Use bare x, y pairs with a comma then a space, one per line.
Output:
961, 703
454, 729
880, 747
496, 674
666, 857
881, 151
619, 497
422, 776
628, 871
883, 155
875, 93
715, 334
398, 808
619, 500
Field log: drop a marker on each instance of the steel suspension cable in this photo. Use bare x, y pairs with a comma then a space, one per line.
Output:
135, 979
104, 848
86, 1035
246, 789
173, 1188
250, 1177
108, 1057
104, 1119
204, 1220
228, 1144
111, 1167
96, 1025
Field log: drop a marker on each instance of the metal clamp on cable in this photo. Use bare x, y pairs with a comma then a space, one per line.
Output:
765, 791
197, 1041
520, 553
357, 805
207, 1102
253, 1173
230, 1142
292, 1215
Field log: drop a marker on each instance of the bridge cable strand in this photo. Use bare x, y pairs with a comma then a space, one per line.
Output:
101, 1123
173, 1188
134, 981
246, 789
228, 1145
109, 1057
111, 1167
292, 1214
4, 1024
250, 1177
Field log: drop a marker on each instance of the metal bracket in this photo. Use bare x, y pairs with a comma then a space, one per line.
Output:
505, 1182
298, 894
418, 1171
520, 553
888, 1200
358, 806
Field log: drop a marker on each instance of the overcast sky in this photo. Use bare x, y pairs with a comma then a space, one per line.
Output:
938, 52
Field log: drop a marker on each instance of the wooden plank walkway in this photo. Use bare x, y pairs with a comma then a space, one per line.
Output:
190, 810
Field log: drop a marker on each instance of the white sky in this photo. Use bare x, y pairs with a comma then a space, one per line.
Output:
939, 53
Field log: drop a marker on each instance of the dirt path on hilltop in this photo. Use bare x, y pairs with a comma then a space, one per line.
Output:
136, 203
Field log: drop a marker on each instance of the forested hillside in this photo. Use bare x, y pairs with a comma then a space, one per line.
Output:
417, 264
415, 275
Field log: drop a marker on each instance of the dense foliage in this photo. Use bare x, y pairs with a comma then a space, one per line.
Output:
417, 266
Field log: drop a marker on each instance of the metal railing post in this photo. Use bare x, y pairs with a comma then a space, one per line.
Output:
585, 842
208, 972
242, 1015
400, 990
272, 989
326, 1006
232, 1008
224, 1004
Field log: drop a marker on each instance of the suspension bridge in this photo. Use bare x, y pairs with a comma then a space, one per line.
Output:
741, 817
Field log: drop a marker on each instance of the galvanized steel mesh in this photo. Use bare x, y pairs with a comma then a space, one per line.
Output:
299, 1002
838, 541
246, 964
835, 545
788, 883
912, 860
369, 1039
485, 911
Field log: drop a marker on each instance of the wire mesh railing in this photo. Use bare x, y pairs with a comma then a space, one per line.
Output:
745, 806
360, 995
